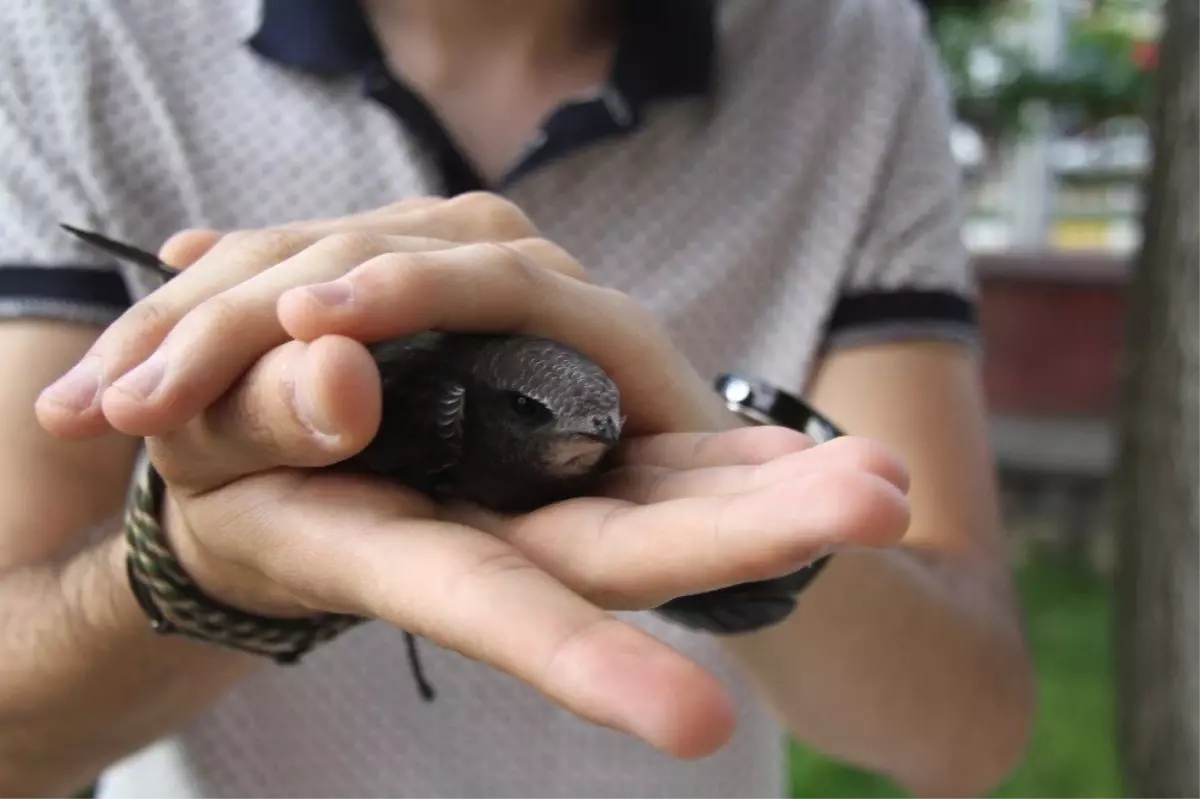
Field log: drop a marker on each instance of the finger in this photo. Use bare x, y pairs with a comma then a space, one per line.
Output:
644, 485
464, 218
140, 330
199, 360
689, 463
337, 223
234, 259
636, 557
467, 217
186, 247
523, 287
743, 445
301, 405
471, 593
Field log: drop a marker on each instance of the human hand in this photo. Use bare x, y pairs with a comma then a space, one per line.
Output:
529, 595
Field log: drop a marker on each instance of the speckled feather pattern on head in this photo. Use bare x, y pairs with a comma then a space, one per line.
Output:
581, 387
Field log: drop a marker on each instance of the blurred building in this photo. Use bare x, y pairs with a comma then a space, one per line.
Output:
1054, 221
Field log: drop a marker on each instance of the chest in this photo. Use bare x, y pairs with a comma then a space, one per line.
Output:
731, 221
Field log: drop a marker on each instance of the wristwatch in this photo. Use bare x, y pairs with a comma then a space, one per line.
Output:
762, 403
752, 606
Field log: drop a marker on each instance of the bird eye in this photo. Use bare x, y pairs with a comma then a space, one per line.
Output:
531, 409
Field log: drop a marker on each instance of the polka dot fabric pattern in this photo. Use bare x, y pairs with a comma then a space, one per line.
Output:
817, 170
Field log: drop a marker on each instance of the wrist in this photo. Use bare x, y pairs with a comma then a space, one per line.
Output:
176, 604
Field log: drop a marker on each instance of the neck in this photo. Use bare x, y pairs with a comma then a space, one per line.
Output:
446, 38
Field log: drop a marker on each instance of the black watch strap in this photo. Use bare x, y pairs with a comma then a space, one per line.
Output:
752, 606
762, 403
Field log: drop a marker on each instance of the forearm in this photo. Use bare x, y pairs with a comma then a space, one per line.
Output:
85, 681
905, 662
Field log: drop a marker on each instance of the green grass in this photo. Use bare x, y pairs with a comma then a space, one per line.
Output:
1072, 753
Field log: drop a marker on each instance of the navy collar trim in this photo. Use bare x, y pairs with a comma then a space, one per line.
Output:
667, 48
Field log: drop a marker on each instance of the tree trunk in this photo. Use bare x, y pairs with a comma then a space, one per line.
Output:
1157, 623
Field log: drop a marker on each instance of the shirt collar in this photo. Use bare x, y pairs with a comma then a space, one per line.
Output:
667, 47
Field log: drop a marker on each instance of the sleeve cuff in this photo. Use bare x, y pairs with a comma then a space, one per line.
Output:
890, 316
66, 292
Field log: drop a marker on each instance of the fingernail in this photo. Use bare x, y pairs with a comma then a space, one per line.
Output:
337, 292
143, 380
78, 389
308, 410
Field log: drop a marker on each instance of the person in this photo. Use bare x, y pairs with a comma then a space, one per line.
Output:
675, 187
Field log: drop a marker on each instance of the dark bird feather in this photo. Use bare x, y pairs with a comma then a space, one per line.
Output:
509, 423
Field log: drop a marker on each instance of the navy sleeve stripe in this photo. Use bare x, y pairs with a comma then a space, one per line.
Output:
68, 284
870, 309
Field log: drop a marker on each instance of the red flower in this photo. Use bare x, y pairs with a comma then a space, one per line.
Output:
1145, 55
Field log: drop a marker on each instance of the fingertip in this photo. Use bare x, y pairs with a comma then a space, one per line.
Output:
869, 456
857, 508
299, 314
697, 721
130, 414
187, 246
631, 682
345, 386
67, 423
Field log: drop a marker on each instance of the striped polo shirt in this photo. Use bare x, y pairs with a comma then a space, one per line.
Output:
773, 178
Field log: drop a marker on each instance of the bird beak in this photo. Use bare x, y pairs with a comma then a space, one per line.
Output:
607, 431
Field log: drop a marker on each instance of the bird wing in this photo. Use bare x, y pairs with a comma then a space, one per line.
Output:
420, 437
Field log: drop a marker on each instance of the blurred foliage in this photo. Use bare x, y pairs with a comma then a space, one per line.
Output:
1073, 751
1105, 72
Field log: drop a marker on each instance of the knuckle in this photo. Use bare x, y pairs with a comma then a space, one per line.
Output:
550, 255
399, 273
350, 245
495, 217
775, 441
214, 317
594, 577
516, 268
501, 563
269, 245
147, 319
409, 204
867, 455
625, 307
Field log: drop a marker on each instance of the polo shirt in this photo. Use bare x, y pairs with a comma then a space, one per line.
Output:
772, 178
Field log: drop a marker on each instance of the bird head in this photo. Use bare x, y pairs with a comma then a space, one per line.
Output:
549, 403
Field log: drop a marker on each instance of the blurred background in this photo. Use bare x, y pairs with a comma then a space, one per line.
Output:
1053, 98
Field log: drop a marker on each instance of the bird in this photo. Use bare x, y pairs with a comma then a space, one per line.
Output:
504, 421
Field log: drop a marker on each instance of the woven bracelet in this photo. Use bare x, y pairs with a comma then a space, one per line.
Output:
176, 605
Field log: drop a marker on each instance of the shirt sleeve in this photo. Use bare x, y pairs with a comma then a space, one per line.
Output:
910, 277
44, 272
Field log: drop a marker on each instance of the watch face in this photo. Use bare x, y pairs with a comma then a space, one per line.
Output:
768, 405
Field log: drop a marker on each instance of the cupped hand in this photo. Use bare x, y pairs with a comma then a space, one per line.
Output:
532, 595
248, 370
471, 263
